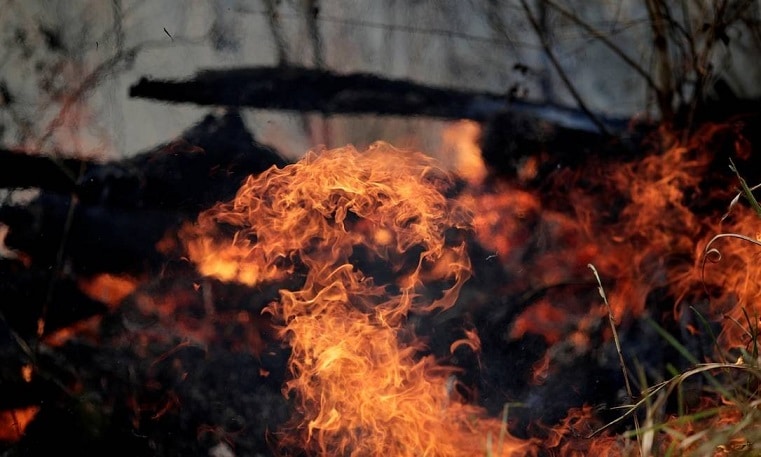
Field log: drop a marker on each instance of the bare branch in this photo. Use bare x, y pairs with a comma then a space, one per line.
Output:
665, 92
563, 76
277, 32
606, 41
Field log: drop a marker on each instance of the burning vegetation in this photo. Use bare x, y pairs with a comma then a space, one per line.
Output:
373, 303
552, 283
375, 239
382, 238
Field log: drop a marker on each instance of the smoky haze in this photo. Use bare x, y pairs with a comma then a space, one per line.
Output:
67, 66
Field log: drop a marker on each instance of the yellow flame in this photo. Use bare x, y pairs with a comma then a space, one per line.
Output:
342, 218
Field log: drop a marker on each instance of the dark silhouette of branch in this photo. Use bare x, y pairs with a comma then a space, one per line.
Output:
322, 91
665, 92
606, 41
276, 28
563, 76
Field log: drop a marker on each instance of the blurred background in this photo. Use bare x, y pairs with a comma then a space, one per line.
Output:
67, 66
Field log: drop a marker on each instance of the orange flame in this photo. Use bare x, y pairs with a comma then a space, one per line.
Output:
656, 239
374, 237
736, 281
569, 438
460, 141
14, 422
108, 288
645, 225
371, 237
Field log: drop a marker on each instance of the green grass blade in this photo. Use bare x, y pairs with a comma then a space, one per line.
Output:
746, 189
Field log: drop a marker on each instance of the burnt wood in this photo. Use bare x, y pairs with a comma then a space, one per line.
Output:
94, 238
22, 169
322, 91
205, 164
108, 217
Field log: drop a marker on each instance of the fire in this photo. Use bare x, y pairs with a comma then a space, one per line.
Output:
568, 437
86, 329
460, 141
14, 422
646, 225
503, 219
26, 372
360, 241
639, 222
108, 288
374, 238
736, 281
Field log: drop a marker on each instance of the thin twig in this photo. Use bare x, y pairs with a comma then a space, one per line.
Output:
604, 40
276, 28
58, 267
667, 387
621, 360
701, 64
414, 30
103, 70
563, 76
311, 13
665, 92
713, 255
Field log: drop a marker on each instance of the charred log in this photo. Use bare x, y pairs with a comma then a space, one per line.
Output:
29, 293
313, 90
23, 170
512, 139
109, 217
204, 165
95, 238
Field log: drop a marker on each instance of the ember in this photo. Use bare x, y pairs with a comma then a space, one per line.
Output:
13, 423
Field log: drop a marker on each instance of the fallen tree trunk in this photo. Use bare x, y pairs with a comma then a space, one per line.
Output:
206, 164
95, 238
313, 90
20, 169
108, 217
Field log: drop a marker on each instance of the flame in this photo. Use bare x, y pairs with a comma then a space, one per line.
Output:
645, 224
471, 340
26, 372
460, 141
503, 219
569, 437
654, 241
540, 369
13, 423
374, 238
5, 251
736, 281
85, 329
108, 288
370, 238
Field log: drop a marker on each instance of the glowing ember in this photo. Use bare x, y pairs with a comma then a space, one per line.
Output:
85, 329
107, 288
26, 372
375, 238
14, 422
